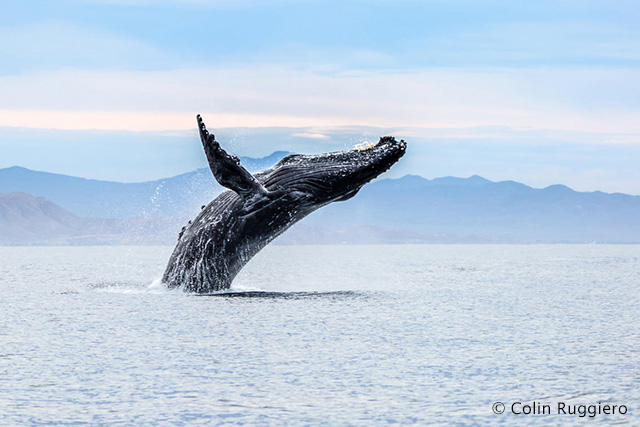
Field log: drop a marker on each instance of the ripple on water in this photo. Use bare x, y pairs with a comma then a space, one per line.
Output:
319, 336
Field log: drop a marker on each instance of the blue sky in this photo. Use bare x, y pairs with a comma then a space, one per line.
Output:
539, 92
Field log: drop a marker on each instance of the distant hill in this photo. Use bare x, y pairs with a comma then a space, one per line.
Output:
178, 195
411, 209
26, 219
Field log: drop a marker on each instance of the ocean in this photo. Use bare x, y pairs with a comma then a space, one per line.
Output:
324, 335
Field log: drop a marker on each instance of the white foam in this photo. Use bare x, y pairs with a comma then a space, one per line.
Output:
156, 284
243, 288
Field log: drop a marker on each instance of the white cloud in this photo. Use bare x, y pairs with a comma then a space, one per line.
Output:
310, 135
589, 100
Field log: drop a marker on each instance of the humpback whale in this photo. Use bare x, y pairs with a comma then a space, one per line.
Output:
255, 209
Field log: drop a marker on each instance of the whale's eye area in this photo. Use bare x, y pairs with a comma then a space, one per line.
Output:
365, 146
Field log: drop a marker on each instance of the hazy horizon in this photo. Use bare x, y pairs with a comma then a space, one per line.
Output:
126, 156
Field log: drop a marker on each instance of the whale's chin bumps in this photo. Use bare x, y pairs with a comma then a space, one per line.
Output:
230, 230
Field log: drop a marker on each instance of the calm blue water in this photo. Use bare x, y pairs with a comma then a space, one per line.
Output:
353, 335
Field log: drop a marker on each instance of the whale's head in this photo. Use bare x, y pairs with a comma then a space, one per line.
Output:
335, 176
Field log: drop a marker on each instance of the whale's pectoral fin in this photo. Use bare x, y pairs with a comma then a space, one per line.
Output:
227, 169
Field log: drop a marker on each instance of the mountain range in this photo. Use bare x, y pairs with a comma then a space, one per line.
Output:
46, 208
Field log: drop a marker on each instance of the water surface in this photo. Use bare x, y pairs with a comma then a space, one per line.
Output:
327, 335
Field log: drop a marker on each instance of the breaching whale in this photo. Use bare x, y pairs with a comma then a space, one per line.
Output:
230, 230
